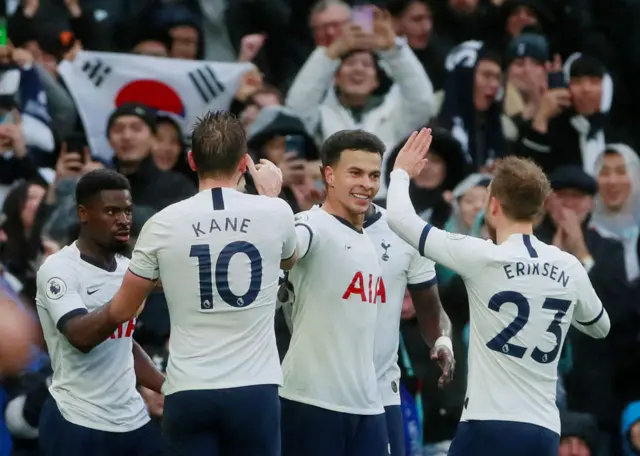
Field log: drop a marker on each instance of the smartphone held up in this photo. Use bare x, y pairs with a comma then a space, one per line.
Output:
362, 15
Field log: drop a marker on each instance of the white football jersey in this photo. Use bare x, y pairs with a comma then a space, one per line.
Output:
523, 295
338, 288
218, 255
96, 390
402, 267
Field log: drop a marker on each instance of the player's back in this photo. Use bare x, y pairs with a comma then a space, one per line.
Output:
338, 286
219, 265
522, 300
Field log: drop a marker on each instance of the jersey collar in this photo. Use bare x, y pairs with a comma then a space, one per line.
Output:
372, 217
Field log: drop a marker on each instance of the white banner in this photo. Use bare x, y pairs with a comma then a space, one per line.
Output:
99, 82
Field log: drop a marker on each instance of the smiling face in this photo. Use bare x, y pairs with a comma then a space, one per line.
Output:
357, 75
354, 180
471, 203
614, 182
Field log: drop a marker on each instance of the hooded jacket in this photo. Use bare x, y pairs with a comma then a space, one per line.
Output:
621, 225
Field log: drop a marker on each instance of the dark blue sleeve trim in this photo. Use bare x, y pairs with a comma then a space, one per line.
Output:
69, 316
422, 285
142, 277
310, 234
423, 238
594, 321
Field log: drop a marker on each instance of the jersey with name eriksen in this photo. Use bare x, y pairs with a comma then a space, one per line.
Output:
96, 390
218, 255
338, 288
402, 268
523, 295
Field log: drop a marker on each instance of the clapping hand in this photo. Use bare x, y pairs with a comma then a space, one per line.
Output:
413, 155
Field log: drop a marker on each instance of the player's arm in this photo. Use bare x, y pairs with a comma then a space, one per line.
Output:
458, 253
289, 245
146, 372
306, 235
590, 316
142, 276
60, 291
137, 283
434, 322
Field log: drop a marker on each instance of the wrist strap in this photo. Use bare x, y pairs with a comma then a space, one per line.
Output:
444, 341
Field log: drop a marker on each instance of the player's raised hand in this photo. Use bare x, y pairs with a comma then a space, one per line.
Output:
413, 156
444, 357
267, 177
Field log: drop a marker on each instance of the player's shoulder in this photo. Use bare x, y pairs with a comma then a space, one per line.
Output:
122, 263
559, 256
262, 203
64, 261
313, 216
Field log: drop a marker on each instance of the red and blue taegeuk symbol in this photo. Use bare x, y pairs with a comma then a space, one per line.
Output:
154, 94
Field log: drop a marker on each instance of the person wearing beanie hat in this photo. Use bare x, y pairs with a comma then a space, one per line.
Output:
526, 64
131, 131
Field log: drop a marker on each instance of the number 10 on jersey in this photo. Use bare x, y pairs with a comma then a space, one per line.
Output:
220, 275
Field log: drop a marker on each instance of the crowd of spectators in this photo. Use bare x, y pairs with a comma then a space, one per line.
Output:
550, 80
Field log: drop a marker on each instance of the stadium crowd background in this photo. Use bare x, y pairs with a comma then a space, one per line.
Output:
554, 80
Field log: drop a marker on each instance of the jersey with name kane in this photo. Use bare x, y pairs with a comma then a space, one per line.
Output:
218, 255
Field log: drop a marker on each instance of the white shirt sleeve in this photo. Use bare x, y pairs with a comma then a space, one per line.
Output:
589, 317
289, 232
305, 235
59, 291
462, 254
421, 273
144, 261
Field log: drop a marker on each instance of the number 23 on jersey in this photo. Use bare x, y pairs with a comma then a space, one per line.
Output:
500, 343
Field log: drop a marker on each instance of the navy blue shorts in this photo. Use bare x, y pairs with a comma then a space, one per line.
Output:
314, 431
59, 437
395, 428
503, 438
242, 421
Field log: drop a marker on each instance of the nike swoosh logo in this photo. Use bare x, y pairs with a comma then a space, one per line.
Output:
90, 292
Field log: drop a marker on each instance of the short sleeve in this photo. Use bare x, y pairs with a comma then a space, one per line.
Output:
59, 291
144, 261
589, 309
421, 273
289, 242
306, 234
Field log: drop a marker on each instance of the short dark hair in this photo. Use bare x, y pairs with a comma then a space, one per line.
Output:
490, 55
99, 180
587, 66
521, 187
340, 141
218, 143
398, 7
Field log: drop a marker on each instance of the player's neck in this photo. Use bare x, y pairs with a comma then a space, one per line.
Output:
505, 232
207, 183
336, 209
91, 249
